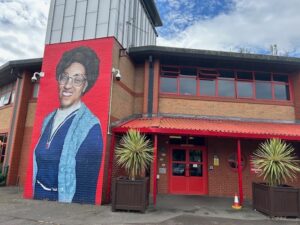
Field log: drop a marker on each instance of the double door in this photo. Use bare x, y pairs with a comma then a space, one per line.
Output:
188, 171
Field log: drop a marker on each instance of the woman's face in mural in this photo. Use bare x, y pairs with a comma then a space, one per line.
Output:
72, 84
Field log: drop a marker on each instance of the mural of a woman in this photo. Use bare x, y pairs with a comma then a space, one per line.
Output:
68, 154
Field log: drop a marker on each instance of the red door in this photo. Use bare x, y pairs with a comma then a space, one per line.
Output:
188, 171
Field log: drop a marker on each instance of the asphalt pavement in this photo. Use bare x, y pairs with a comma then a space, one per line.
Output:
175, 210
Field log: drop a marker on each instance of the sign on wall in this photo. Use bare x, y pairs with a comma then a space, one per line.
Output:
69, 136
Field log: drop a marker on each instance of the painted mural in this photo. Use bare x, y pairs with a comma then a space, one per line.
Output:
71, 120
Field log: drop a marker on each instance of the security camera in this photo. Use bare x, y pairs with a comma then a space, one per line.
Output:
34, 79
117, 74
36, 76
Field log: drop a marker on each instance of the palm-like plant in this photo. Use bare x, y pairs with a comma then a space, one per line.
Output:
134, 153
276, 162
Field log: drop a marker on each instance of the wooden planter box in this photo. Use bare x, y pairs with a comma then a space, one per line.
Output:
129, 194
276, 201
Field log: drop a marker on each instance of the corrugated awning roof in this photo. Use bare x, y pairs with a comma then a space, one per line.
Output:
208, 127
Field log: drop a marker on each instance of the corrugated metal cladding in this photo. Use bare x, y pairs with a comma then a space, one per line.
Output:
74, 20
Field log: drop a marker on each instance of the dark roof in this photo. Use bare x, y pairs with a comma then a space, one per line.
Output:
10, 71
152, 11
215, 59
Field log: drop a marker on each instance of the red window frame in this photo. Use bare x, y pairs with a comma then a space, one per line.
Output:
201, 71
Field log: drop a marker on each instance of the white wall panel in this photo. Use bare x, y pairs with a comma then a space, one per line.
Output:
103, 17
113, 18
58, 17
80, 14
92, 6
60, 2
78, 33
55, 36
90, 27
67, 30
50, 21
70, 8
73, 20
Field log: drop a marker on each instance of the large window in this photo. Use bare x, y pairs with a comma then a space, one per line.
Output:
225, 83
6, 94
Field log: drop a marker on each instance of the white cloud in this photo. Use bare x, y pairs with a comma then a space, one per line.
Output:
252, 24
22, 28
210, 24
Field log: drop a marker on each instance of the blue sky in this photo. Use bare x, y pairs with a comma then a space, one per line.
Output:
179, 15
231, 25
223, 25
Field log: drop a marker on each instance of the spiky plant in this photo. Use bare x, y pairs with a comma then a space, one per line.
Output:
134, 153
276, 162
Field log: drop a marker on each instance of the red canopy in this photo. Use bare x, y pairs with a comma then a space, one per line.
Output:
209, 127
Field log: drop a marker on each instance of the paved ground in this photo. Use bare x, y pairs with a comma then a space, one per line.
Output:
175, 210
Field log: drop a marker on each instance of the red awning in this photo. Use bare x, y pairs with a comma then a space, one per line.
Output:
209, 127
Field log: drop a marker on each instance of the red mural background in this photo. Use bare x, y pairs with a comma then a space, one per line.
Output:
97, 99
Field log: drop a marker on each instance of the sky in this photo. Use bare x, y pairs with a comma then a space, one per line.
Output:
224, 25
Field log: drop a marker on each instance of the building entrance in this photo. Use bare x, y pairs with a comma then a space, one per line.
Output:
188, 171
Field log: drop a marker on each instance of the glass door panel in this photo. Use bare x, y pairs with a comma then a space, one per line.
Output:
195, 156
178, 169
195, 170
179, 155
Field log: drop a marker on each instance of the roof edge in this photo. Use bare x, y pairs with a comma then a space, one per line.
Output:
161, 50
150, 6
21, 63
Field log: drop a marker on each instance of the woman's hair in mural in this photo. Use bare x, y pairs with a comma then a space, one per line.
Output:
86, 57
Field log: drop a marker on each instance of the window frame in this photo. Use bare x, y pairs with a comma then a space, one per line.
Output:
7, 89
215, 75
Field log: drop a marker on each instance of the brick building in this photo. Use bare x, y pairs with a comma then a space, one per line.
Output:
206, 111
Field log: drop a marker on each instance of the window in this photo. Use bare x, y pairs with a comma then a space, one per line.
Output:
185, 140
281, 92
207, 86
244, 89
6, 94
225, 83
3, 142
168, 84
188, 86
281, 87
263, 90
36, 89
233, 161
244, 84
225, 88
168, 81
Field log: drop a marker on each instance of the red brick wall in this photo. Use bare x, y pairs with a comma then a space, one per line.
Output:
194, 106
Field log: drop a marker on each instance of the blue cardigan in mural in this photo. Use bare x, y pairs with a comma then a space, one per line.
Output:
66, 164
